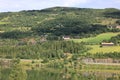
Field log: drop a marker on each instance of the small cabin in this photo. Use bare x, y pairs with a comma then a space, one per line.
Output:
107, 44
66, 37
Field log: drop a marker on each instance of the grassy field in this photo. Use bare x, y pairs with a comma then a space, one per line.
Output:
97, 48
3, 22
99, 38
101, 67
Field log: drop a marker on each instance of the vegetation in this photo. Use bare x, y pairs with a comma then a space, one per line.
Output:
32, 44
116, 39
64, 73
60, 21
52, 49
17, 73
107, 49
98, 39
14, 35
114, 55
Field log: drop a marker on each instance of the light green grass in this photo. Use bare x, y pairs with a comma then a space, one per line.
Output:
3, 22
99, 38
107, 49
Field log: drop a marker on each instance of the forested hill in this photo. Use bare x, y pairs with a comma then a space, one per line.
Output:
58, 21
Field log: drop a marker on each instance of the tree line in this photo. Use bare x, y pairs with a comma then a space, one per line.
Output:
49, 49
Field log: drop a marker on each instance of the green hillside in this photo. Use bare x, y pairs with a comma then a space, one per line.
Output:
33, 44
28, 30
59, 21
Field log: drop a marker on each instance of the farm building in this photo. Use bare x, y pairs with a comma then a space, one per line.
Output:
66, 37
1, 31
114, 26
107, 44
118, 27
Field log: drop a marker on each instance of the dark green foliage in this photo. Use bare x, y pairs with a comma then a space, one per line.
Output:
66, 25
53, 37
116, 39
50, 49
14, 35
114, 55
4, 74
112, 13
118, 21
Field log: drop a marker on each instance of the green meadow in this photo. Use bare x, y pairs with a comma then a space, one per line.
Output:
3, 22
97, 39
107, 49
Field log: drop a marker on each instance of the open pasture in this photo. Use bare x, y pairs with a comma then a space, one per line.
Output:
97, 39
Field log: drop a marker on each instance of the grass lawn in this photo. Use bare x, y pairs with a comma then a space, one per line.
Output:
107, 49
99, 38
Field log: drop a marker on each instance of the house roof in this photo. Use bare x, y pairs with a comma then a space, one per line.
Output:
107, 43
117, 26
66, 37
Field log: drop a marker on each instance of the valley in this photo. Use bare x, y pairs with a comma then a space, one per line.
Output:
60, 43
